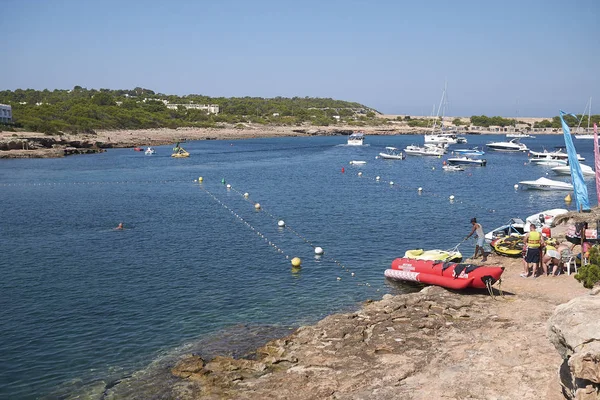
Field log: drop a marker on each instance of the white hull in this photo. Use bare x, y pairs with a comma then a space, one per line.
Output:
466, 161
546, 184
566, 170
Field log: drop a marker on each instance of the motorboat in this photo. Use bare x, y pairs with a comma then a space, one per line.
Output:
137, 148
519, 135
557, 154
438, 255
515, 226
464, 160
512, 146
426, 150
447, 138
392, 153
446, 274
357, 162
149, 151
586, 170
548, 161
544, 218
469, 152
452, 168
356, 139
546, 184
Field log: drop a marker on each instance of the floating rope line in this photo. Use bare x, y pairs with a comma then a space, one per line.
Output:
421, 192
246, 197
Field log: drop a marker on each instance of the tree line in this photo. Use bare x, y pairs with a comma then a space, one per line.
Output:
82, 110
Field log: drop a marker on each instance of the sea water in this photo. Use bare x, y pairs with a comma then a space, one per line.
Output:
89, 311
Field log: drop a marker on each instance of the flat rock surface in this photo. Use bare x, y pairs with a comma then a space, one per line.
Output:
434, 344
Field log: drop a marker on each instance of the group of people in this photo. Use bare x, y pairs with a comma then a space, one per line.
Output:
538, 254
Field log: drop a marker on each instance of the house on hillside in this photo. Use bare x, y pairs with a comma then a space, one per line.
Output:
5, 113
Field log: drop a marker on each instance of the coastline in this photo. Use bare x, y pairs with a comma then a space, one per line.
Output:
39, 145
431, 344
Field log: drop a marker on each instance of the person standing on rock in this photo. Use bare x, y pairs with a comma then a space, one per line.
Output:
477, 230
534, 242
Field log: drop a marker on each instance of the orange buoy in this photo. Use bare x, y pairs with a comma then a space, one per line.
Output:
343, 170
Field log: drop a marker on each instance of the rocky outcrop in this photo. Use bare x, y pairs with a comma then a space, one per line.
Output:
574, 329
431, 344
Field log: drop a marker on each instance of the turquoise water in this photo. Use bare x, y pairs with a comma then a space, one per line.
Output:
88, 311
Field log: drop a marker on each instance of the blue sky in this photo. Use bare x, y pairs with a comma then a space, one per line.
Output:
527, 57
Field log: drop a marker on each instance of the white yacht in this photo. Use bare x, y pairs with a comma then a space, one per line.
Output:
447, 138
586, 170
356, 139
519, 135
557, 154
546, 184
426, 150
513, 146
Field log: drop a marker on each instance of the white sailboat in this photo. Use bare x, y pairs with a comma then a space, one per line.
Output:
443, 137
587, 134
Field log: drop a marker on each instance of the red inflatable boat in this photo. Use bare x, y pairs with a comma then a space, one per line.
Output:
450, 275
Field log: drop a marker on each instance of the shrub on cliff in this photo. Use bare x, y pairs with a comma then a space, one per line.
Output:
589, 274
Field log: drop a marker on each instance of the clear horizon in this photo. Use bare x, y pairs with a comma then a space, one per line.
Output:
512, 59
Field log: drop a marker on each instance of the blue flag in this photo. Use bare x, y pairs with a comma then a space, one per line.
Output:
581, 194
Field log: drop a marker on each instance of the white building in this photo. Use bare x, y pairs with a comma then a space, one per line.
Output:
5, 113
209, 108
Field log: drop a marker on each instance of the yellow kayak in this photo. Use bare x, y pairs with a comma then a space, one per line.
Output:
511, 246
435, 255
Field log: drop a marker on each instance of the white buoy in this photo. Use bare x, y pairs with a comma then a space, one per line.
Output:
318, 251
228, 186
339, 279
257, 206
246, 195
451, 197
516, 186
433, 168
281, 223
420, 189
360, 174
377, 178
391, 182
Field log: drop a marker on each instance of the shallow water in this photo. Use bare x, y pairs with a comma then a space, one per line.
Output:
88, 310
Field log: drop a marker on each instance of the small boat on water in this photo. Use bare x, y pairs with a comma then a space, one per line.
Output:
546, 184
149, 151
469, 152
357, 162
519, 135
392, 153
179, 152
138, 149
439, 255
356, 139
548, 161
452, 168
464, 160
450, 275
512, 146
586, 170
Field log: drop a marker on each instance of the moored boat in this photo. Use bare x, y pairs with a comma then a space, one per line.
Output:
512, 146
586, 170
464, 160
452, 168
546, 184
392, 153
149, 151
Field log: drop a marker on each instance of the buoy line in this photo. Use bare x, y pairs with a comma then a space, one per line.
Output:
295, 260
92, 183
451, 197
